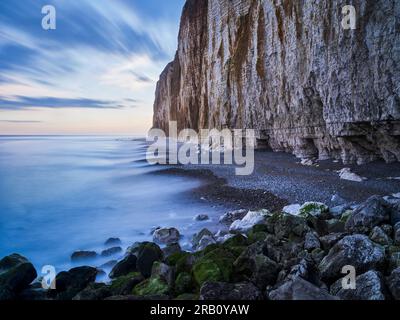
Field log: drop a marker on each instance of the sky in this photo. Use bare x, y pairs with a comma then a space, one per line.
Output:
95, 73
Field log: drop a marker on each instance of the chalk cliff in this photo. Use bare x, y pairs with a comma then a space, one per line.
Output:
288, 69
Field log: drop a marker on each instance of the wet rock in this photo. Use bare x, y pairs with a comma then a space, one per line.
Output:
251, 219
70, 283
311, 241
204, 242
171, 248
166, 235
393, 283
230, 217
79, 256
227, 291
94, 292
369, 286
16, 273
198, 236
371, 213
201, 217
124, 267
300, 289
377, 235
356, 250
147, 255
124, 285
113, 242
153, 286
293, 209
163, 271
111, 251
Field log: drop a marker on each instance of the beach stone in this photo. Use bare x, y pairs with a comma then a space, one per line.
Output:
377, 235
311, 241
166, 235
251, 219
300, 289
314, 209
355, 250
229, 217
371, 213
16, 273
113, 242
228, 291
369, 286
124, 285
147, 255
78, 256
70, 283
201, 217
393, 283
293, 209
111, 251
171, 248
124, 267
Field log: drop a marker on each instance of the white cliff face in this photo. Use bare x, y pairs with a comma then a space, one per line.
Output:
289, 70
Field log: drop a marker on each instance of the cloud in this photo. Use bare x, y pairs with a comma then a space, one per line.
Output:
21, 121
21, 102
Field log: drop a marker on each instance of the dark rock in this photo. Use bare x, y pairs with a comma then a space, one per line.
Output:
154, 286
356, 250
183, 283
163, 271
395, 213
125, 284
393, 283
124, 267
338, 211
166, 235
108, 265
311, 241
32, 294
369, 286
335, 226
204, 242
171, 248
198, 236
300, 289
288, 226
396, 231
79, 256
111, 251
201, 217
70, 283
147, 254
16, 273
228, 291
230, 217
113, 242
330, 240
371, 213
379, 236
94, 292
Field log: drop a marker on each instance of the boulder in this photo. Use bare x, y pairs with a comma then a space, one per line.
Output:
113, 242
201, 217
293, 209
335, 226
147, 255
16, 273
287, 226
94, 292
183, 283
163, 271
355, 250
377, 235
124, 267
109, 264
396, 231
79, 256
369, 286
300, 289
330, 240
365, 217
198, 236
228, 291
229, 217
338, 211
171, 248
251, 219
111, 251
204, 242
347, 174
124, 285
311, 241
166, 235
314, 209
154, 286
395, 212
393, 282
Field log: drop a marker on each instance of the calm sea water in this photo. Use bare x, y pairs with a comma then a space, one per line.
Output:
61, 194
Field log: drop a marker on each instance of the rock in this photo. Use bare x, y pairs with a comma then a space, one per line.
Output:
335, 226
379, 236
395, 213
387, 229
225, 238
357, 251
154, 229
94, 292
396, 231
16, 273
147, 255
111, 251
330, 240
293, 209
187, 297
251, 219
183, 283
369, 286
226, 291
393, 254
204, 242
287, 226
393, 282
70, 283
113, 242
201, 217
230, 217
311, 241
307, 162
163, 271
347, 174
300, 289
346, 216
79, 256
108, 265
216, 265
151, 287
171, 248
124, 285
166, 235
198, 236
314, 209
337, 200
338, 211
124, 267
368, 215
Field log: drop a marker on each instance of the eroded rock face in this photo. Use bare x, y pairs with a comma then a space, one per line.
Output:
289, 70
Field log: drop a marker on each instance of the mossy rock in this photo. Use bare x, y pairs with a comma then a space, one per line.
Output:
185, 263
238, 240
314, 209
257, 236
207, 250
151, 286
175, 257
124, 285
346, 215
187, 297
214, 266
183, 283
260, 228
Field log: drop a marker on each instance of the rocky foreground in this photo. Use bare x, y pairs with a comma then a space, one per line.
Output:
297, 254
